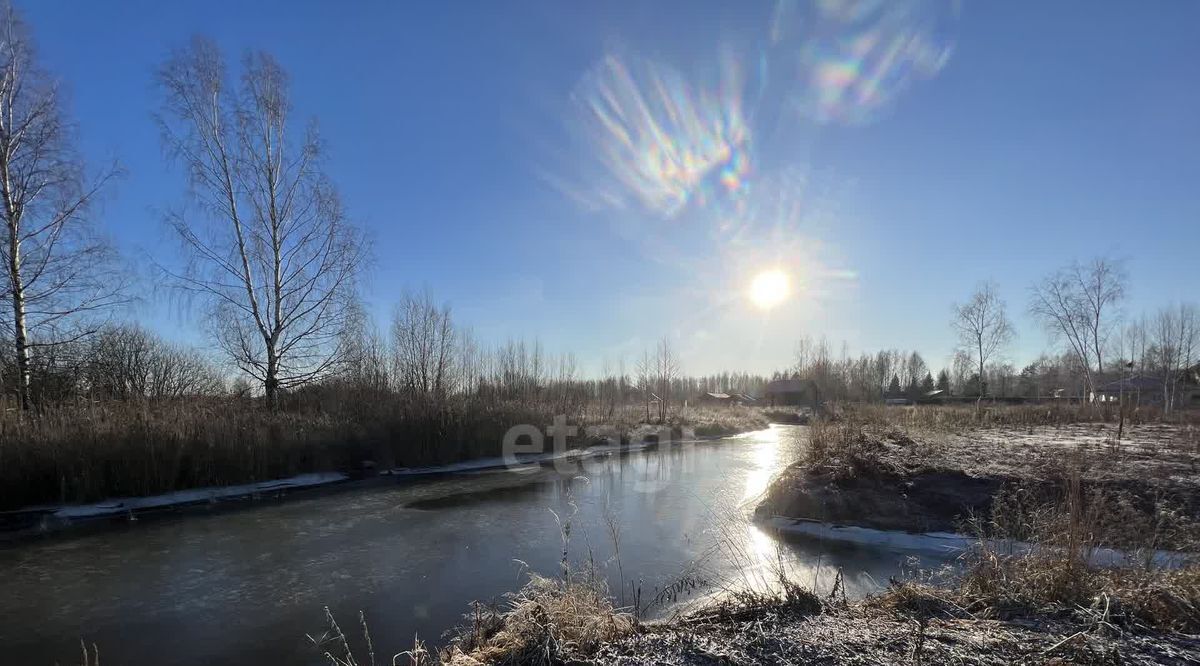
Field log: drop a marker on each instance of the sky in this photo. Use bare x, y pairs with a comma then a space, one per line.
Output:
603, 175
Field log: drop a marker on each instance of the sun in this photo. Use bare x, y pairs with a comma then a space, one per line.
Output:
769, 288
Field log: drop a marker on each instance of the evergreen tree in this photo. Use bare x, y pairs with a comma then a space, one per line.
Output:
894, 387
974, 386
927, 383
913, 390
943, 381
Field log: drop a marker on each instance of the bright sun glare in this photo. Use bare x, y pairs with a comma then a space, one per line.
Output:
769, 288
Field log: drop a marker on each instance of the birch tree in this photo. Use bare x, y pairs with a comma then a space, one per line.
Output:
269, 249
1175, 347
983, 328
667, 371
57, 271
1079, 304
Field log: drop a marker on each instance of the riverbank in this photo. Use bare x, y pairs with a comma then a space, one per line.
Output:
1028, 507
694, 424
983, 616
909, 625
1142, 490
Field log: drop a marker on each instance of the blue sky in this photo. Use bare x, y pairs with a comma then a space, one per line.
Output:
999, 140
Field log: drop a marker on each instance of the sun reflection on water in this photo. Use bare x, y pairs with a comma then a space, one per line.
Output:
766, 463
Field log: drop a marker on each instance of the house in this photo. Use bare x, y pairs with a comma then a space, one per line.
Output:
1148, 389
792, 393
714, 398
1141, 388
719, 398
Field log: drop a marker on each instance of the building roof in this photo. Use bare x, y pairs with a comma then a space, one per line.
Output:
1144, 383
717, 396
788, 386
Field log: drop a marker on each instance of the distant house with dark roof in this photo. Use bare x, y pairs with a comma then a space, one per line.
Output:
720, 398
1148, 389
792, 393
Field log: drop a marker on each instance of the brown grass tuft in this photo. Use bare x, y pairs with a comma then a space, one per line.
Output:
546, 621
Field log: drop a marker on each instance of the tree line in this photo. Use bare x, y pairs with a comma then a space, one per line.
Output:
1080, 307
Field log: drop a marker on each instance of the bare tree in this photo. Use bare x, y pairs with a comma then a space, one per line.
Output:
666, 370
271, 253
1134, 337
915, 370
423, 344
883, 366
57, 270
645, 380
1078, 304
364, 364
983, 328
960, 367
1175, 344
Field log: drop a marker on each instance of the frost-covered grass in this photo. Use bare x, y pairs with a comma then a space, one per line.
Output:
1065, 489
969, 417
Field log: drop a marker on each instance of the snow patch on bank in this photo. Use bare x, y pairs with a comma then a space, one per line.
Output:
937, 543
950, 544
522, 461
120, 506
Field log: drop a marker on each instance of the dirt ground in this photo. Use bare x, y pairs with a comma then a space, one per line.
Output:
1165, 455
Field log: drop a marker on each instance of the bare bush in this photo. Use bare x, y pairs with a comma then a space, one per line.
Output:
128, 362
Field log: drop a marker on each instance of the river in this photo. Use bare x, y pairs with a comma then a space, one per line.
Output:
246, 585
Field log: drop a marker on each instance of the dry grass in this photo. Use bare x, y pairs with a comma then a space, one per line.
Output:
549, 619
721, 423
1151, 476
96, 450
1072, 503
335, 647
957, 418
1065, 559
845, 450
93, 451
545, 621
